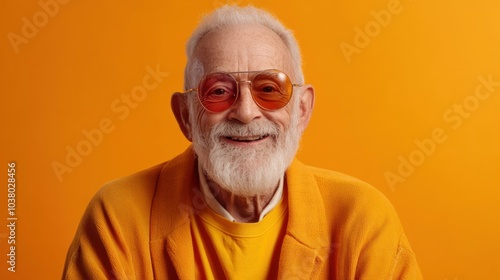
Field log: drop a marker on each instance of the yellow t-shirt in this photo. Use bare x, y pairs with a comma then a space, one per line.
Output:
230, 250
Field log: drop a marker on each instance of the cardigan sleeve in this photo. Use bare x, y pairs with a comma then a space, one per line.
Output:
99, 249
370, 237
381, 246
405, 264
112, 240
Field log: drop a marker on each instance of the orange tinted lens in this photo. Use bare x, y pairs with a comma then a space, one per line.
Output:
272, 89
217, 92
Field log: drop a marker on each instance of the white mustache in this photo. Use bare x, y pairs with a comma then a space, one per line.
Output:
234, 129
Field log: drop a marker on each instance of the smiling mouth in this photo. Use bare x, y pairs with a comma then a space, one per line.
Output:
246, 138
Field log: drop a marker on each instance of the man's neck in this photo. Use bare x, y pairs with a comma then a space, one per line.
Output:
244, 209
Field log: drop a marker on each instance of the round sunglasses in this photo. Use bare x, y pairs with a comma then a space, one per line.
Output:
271, 89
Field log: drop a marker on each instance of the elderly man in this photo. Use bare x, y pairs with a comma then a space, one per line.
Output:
236, 204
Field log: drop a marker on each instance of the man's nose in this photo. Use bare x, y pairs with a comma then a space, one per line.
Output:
245, 109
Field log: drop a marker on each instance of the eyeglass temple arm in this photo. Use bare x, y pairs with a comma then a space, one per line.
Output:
188, 91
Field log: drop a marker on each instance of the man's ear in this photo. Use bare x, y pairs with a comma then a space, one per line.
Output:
306, 105
179, 106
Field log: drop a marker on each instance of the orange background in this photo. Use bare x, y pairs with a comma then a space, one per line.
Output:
398, 88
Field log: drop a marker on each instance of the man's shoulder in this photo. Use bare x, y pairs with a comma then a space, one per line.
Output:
126, 198
335, 182
137, 191
351, 196
334, 177
142, 182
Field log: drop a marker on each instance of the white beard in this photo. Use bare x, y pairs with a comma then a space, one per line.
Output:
246, 171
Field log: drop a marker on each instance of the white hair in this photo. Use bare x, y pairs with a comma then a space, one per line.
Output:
230, 16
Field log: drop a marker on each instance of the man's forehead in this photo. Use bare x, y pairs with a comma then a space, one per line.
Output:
242, 49
256, 62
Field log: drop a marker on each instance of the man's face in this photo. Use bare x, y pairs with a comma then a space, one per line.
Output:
245, 149
244, 48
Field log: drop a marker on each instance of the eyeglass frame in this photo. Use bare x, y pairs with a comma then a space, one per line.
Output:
238, 87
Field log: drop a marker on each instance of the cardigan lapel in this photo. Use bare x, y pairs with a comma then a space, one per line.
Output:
170, 231
305, 245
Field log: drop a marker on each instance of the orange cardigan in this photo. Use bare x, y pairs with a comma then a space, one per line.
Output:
138, 227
